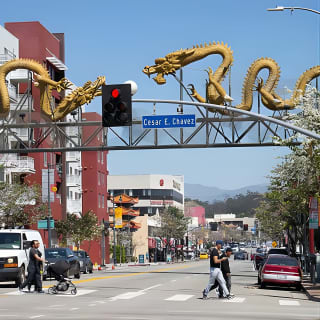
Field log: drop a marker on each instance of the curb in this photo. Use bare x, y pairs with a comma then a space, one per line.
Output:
310, 297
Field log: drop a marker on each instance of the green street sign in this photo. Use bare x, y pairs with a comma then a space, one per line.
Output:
43, 224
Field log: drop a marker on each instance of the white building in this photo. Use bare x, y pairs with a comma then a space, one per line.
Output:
14, 167
155, 191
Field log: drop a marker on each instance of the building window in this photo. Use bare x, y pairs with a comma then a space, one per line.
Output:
45, 159
102, 201
98, 178
99, 200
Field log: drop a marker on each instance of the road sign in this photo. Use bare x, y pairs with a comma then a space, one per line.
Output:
313, 219
43, 224
274, 244
169, 121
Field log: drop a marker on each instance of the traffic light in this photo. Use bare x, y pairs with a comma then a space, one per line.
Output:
213, 226
116, 105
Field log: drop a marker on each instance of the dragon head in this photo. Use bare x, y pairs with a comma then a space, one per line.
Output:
169, 64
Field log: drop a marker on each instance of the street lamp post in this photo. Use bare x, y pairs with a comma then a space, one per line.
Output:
49, 216
280, 8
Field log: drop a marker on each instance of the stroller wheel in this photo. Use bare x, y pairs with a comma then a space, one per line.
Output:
74, 291
52, 290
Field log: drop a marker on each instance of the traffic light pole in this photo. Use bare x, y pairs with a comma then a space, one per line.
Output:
114, 235
49, 210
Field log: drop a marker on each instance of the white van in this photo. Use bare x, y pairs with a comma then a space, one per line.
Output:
14, 253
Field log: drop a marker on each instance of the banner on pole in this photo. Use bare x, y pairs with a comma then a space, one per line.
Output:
118, 217
314, 213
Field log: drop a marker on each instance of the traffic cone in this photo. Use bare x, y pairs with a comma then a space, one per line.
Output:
113, 267
99, 268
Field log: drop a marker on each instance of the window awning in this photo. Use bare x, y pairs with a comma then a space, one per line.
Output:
57, 63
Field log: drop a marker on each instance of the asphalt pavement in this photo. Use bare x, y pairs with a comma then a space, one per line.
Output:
160, 292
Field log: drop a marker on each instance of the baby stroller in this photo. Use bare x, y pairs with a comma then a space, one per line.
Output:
59, 270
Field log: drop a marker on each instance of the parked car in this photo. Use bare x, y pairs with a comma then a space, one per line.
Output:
278, 251
55, 254
259, 259
241, 255
280, 269
86, 264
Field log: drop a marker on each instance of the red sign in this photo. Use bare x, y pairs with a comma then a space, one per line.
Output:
161, 182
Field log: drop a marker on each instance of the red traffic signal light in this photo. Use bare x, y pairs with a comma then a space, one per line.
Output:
116, 105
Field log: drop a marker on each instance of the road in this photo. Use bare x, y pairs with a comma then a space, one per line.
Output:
159, 292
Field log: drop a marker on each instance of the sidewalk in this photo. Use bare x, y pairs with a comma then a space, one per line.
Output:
311, 290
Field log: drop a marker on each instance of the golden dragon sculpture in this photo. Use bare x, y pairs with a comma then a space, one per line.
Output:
215, 94
46, 85
178, 59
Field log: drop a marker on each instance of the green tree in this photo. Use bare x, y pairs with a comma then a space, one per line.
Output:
79, 229
20, 204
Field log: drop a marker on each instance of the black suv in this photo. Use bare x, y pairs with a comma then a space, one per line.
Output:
55, 254
86, 264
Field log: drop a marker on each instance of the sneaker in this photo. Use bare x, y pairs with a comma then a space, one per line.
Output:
204, 296
40, 291
229, 296
20, 288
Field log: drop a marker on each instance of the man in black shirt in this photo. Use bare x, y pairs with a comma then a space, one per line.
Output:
34, 275
215, 272
225, 268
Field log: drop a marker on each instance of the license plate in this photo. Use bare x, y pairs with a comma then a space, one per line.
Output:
282, 277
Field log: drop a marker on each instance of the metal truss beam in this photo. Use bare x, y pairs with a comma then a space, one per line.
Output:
237, 129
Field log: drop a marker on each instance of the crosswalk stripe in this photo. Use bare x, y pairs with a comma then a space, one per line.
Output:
80, 292
289, 303
180, 297
235, 300
127, 295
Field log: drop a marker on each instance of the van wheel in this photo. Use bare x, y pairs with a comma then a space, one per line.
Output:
21, 277
299, 287
262, 285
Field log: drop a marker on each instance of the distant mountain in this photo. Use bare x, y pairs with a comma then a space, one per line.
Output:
212, 194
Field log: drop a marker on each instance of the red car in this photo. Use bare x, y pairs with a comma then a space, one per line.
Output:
280, 269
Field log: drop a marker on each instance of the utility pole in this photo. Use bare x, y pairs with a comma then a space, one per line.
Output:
49, 210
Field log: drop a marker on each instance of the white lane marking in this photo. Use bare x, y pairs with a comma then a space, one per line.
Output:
127, 295
80, 292
131, 295
35, 317
57, 305
289, 303
236, 300
99, 301
180, 297
72, 309
173, 280
92, 305
155, 286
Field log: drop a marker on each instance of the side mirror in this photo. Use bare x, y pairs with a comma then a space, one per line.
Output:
70, 255
26, 244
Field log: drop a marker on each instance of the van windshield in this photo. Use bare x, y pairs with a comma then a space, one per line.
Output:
10, 240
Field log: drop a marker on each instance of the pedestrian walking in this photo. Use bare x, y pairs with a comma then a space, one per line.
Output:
215, 272
34, 267
225, 269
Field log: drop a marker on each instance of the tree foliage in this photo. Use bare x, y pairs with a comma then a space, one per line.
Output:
20, 204
79, 229
173, 223
296, 179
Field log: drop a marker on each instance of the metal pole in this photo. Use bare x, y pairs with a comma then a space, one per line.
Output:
103, 244
114, 235
49, 210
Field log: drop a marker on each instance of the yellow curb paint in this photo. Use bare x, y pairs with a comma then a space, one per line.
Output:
124, 275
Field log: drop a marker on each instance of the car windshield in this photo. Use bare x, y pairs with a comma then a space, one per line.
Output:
283, 261
10, 240
80, 254
56, 253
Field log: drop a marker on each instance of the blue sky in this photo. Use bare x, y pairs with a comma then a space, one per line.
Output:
118, 38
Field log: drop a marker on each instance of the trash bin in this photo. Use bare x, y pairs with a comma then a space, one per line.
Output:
317, 255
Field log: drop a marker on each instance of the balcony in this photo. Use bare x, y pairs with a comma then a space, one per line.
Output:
16, 164
73, 156
19, 75
73, 180
74, 205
